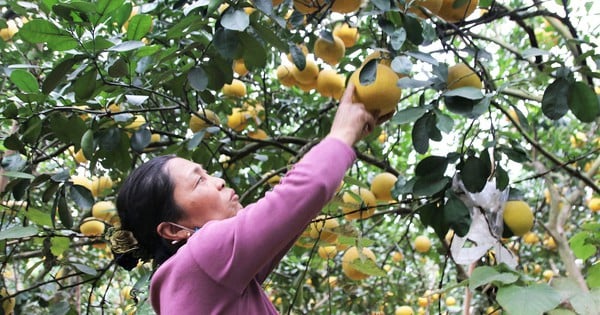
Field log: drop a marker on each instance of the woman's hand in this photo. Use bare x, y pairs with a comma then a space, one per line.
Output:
352, 121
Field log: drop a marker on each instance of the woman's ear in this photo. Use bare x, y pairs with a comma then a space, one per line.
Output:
168, 231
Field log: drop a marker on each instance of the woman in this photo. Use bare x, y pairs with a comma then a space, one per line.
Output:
228, 250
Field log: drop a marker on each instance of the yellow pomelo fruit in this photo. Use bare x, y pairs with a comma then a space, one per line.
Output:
327, 252
198, 123
284, 75
258, 134
113, 108
404, 310
345, 6
450, 301
104, 210
78, 156
518, 217
307, 75
422, 244
452, 15
8, 305
460, 75
433, 6
309, 86
126, 293
423, 301
351, 205
237, 120
92, 227
239, 67
349, 35
309, 6
274, 180
100, 185
594, 204
397, 257
493, 311
382, 185
548, 274
381, 95
531, 238
155, 137
330, 51
351, 255
82, 181
330, 84
324, 229
549, 243
255, 110
9, 32
382, 138
237, 88
138, 121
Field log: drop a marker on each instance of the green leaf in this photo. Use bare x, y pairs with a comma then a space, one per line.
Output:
420, 135
87, 143
18, 232
407, 115
470, 93
85, 269
255, 54
82, 197
127, 46
593, 276
531, 300
38, 217
428, 186
25, 81
368, 72
59, 245
474, 173
33, 128
139, 26
367, 266
486, 274
140, 139
198, 79
414, 30
502, 178
43, 31
106, 7
63, 212
85, 85
14, 174
57, 74
431, 214
432, 166
227, 43
235, 20
581, 248
269, 36
456, 214
555, 100
583, 102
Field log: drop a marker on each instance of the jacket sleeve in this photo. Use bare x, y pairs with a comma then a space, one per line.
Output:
235, 250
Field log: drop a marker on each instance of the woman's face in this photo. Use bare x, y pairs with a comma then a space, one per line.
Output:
201, 197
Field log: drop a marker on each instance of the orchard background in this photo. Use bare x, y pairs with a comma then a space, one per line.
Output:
90, 89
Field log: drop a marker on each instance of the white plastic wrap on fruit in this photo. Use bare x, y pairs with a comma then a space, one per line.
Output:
485, 233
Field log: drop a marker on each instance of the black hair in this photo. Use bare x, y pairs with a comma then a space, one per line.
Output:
145, 199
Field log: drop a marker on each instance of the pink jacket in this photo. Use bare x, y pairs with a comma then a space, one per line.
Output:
221, 268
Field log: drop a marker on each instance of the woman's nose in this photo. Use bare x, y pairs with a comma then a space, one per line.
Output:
219, 182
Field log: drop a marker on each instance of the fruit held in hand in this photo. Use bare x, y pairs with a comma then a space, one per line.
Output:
383, 94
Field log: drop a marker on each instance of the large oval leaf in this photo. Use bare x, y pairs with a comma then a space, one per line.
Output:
583, 102
554, 102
